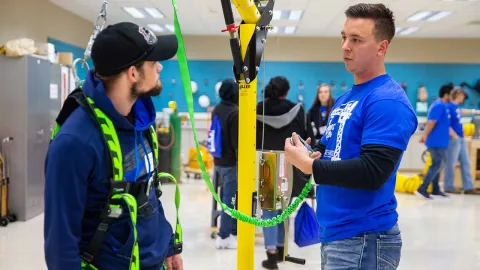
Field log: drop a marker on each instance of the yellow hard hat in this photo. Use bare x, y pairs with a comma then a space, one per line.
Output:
173, 105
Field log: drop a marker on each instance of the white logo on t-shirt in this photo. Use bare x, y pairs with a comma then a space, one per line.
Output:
343, 112
329, 131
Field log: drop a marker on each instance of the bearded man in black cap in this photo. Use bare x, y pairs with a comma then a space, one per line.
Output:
79, 232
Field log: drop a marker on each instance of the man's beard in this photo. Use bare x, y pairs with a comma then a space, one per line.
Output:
153, 92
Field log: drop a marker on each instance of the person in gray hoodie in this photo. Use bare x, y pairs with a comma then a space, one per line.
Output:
282, 117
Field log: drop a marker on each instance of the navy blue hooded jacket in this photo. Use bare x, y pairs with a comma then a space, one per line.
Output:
77, 186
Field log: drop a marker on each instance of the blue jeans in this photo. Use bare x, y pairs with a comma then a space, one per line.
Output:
433, 174
273, 236
457, 151
228, 225
366, 251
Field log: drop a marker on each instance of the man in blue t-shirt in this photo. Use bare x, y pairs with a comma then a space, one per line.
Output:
436, 138
457, 149
367, 132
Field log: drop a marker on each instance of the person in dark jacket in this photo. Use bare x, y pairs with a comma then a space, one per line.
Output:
320, 110
77, 183
226, 165
284, 117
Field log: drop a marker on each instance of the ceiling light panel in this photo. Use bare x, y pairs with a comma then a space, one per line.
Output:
155, 28
289, 30
440, 15
295, 15
276, 15
134, 12
430, 16
419, 16
409, 31
170, 27
292, 15
155, 13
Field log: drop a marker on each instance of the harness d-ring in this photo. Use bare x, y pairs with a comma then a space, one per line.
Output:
74, 69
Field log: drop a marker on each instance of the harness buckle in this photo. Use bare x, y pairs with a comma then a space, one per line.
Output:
87, 257
145, 210
120, 187
178, 248
115, 212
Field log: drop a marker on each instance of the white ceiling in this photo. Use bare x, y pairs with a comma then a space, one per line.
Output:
320, 18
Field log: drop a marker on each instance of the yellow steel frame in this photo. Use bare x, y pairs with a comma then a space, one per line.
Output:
246, 140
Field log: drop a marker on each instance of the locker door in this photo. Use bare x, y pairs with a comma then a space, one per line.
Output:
38, 96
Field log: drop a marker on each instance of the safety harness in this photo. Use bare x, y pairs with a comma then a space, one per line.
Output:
135, 195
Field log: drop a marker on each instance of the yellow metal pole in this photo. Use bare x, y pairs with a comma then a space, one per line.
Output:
246, 158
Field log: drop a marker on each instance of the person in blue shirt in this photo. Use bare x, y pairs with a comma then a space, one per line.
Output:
77, 184
355, 163
437, 137
457, 148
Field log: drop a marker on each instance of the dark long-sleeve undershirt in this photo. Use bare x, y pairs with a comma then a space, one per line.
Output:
370, 171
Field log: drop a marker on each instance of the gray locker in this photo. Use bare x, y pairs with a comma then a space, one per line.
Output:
28, 107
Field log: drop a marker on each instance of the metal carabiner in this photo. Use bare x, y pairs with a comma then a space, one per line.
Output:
74, 68
97, 28
102, 17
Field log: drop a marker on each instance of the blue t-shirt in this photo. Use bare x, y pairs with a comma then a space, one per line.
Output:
323, 112
455, 116
323, 120
439, 137
375, 112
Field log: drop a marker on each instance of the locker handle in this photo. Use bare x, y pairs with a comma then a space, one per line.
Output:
40, 135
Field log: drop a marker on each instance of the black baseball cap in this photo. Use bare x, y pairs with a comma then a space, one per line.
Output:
122, 45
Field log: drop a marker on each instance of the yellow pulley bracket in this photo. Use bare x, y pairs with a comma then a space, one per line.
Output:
247, 51
247, 58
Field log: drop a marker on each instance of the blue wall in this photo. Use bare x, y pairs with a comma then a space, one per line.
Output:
78, 52
431, 75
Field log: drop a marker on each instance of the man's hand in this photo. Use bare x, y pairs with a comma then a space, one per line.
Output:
175, 262
298, 154
314, 155
423, 139
308, 140
453, 134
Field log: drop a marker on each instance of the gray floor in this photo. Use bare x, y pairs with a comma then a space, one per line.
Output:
439, 234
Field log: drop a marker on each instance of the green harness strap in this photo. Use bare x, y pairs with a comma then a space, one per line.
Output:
110, 138
178, 237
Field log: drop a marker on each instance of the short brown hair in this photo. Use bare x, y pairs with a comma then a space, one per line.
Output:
109, 79
383, 17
